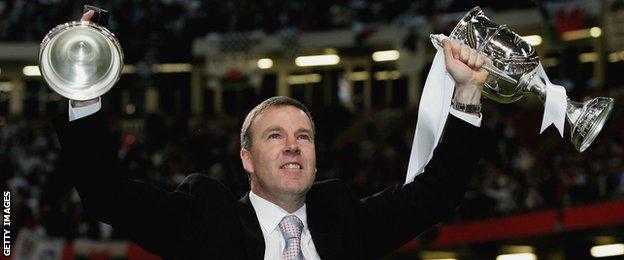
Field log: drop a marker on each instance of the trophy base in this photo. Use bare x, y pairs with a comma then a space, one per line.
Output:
589, 124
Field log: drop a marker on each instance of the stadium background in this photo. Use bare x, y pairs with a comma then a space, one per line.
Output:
193, 71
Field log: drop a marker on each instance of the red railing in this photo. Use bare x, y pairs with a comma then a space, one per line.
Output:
524, 225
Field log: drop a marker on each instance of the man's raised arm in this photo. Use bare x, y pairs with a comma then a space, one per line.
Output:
398, 214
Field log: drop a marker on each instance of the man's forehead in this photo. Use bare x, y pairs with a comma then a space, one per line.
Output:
271, 113
272, 110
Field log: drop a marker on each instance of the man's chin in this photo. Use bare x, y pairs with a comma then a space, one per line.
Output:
295, 187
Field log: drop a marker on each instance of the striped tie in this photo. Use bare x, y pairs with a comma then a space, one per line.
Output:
291, 230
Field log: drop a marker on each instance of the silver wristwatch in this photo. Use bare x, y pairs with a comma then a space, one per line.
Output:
466, 108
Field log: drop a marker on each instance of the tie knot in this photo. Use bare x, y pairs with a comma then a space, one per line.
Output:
291, 227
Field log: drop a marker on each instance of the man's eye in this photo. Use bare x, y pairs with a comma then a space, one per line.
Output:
305, 137
274, 136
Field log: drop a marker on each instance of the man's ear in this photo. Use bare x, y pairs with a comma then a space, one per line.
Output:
246, 159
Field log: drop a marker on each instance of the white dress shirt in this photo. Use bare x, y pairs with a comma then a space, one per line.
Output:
269, 216
80, 112
470, 118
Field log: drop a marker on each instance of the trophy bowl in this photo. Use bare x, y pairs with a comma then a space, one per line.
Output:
80, 60
518, 62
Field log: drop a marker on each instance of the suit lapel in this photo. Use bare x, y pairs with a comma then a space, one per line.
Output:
254, 240
325, 232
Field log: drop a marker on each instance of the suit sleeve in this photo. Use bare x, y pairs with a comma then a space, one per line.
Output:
151, 217
398, 214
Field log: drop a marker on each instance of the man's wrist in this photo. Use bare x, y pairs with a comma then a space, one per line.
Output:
467, 94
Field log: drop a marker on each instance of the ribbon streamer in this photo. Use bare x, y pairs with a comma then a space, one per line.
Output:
555, 105
433, 111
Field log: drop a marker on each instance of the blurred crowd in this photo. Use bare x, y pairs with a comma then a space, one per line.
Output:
164, 29
30, 20
522, 171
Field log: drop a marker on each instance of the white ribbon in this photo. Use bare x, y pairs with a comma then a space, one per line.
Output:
435, 103
555, 105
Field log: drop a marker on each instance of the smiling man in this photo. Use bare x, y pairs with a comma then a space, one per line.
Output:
279, 156
285, 215
277, 151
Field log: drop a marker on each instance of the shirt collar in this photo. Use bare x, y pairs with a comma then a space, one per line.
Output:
269, 215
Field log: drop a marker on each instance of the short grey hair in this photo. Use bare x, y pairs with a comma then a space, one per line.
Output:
278, 101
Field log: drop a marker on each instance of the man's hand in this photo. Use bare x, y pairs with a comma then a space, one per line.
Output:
75, 103
87, 16
465, 66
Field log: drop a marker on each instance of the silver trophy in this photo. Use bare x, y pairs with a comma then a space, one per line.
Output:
516, 72
81, 60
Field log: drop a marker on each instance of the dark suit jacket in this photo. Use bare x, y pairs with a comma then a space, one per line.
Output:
202, 220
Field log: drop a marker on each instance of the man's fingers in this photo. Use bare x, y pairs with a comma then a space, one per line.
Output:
465, 53
479, 62
455, 46
448, 51
456, 52
472, 60
87, 16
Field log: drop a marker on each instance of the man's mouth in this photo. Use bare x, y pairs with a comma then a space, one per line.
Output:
290, 166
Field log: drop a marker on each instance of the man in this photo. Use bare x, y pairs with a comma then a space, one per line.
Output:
285, 215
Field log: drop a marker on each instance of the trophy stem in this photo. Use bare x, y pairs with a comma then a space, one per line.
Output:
573, 111
534, 84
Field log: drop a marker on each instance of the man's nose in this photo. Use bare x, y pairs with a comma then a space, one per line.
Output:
291, 147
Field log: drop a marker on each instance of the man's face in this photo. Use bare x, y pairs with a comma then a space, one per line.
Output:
282, 158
